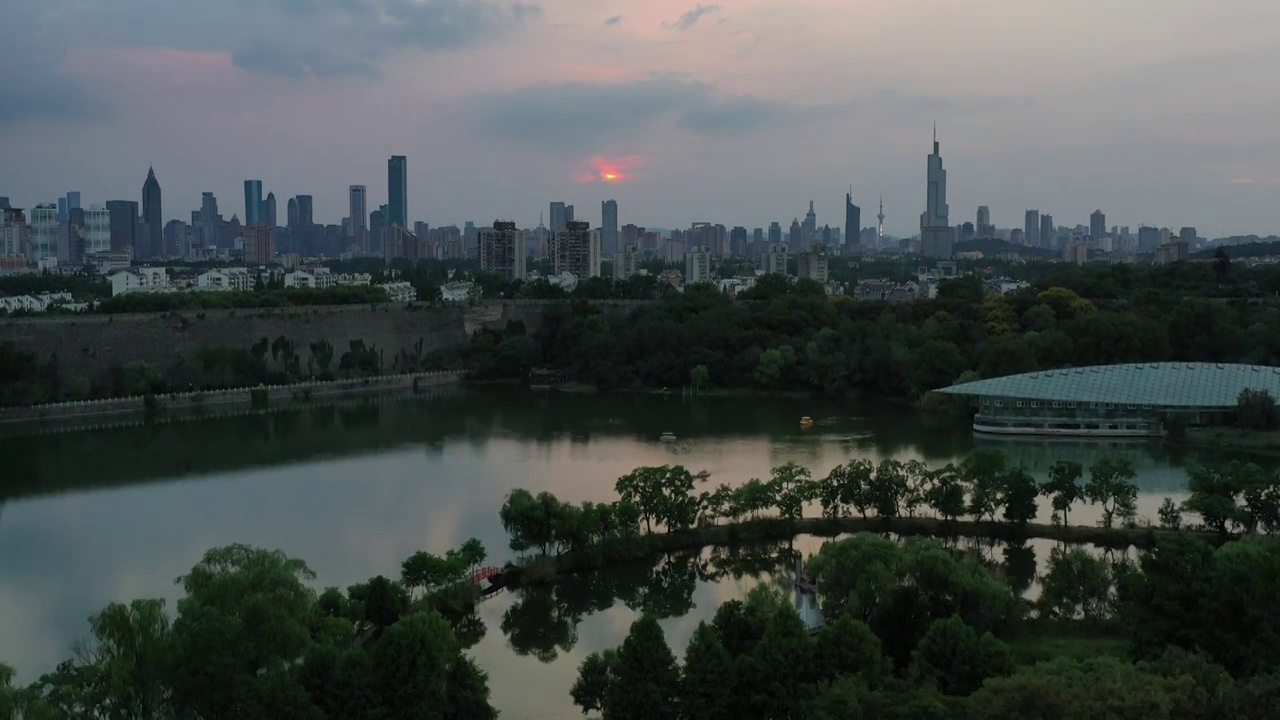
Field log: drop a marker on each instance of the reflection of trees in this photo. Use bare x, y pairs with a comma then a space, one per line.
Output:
1019, 567
544, 620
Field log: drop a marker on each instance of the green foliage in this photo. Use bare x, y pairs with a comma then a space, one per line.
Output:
1063, 487
1257, 410
644, 680
953, 657
1076, 585
1111, 486
292, 297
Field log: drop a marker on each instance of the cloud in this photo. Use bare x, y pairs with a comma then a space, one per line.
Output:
272, 59
35, 87
613, 20
582, 115
608, 169
1242, 181
691, 17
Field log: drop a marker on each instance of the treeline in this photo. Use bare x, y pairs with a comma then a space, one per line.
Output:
984, 487
791, 336
251, 640
82, 285
914, 630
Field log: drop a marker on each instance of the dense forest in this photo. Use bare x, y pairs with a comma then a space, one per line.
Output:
792, 336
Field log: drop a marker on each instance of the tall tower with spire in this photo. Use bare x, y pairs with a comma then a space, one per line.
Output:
936, 237
153, 217
810, 226
852, 220
880, 223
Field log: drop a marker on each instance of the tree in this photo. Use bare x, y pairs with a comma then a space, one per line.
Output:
1110, 485
1101, 687
594, 675
412, 664
707, 682
1075, 585
645, 682
791, 487
1256, 410
700, 377
1063, 486
956, 659
1170, 515
946, 493
383, 602
661, 494
246, 616
1020, 493
983, 471
847, 646
888, 487
1214, 494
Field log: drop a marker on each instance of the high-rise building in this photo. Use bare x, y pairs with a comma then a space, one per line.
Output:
775, 233
697, 264
984, 218
795, 237
1048, 233
626, 262
378, 231
1188, 235
568, 214
359, 201
559, 217
936, 236
153, 216
124, 226
96, 230
1031, 228
812, 263
809, 228
398, 191
42, 244
306, 218
738, 241
268, 216
757, 239
609, 227
259, 244
14, 232
502, 250
1098, 225
1148, 239
252, 202
291, 214
575, 250
852, 220
773, 261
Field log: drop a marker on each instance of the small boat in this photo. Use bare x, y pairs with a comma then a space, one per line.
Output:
703, 475
668, 437
806, 421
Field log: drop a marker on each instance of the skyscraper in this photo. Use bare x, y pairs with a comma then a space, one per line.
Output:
268, 217
359, 214
42, 243
775, 233
1031, 228
1097, 225
291, 214
609, 228
398, 191
502, 250
305, 216
1048, 233
795, 237
810, 226
152, 216
559, 217
852, 220
252, 202
1188, 235
124, 225
936, 237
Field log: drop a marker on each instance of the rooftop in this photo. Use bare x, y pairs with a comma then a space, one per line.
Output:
1170, 384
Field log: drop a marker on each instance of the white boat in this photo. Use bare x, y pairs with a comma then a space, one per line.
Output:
668, 437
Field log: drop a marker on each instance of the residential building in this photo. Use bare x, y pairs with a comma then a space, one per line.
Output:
1048, 233
575, 250
626, 262
42, 243
812, 263
561, 216
225, 279
936, 236
135, 280
774, 260
153, 216
1076, 252
398, 191
1188, 235
259, 244
502, 250
738, 241
697, 264
399, 291
1097, 225
1148, 239
1174, 250
1031, 228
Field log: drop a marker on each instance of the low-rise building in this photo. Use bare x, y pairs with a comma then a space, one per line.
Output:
134, 280
458, 291
225, 279
399, 291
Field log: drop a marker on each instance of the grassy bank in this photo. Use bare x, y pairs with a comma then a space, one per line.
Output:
1222, 438
649, 547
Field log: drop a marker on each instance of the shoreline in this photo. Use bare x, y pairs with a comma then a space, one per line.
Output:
649, 547
187, 405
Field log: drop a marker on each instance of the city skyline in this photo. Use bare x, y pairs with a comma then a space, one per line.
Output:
763, 108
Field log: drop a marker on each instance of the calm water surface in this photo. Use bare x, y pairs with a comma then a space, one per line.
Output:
91, 517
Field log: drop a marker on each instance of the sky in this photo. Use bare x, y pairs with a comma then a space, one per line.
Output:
734, 111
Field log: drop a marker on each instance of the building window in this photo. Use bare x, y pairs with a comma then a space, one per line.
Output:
1071, 405
1146, 407
1109, 406
1057, 405
999, 403
1019, 403
1035, 404
1133, 407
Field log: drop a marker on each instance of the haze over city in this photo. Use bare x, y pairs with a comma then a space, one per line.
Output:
737, 112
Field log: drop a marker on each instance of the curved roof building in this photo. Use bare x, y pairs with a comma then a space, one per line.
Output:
1113, 400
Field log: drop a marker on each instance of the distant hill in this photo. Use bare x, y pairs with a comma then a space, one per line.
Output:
1244, 250
990, 247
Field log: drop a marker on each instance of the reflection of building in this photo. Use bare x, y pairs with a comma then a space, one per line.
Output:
1133, 400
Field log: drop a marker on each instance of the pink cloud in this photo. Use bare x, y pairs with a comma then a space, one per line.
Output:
607, 169
1242, 181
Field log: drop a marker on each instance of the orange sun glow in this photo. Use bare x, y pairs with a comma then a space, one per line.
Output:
608, 169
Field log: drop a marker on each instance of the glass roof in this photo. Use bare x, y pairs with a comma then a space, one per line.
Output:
1170, 384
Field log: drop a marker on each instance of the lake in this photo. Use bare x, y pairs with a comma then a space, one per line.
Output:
92, 517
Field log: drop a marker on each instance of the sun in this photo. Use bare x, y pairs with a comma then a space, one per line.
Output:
608, 169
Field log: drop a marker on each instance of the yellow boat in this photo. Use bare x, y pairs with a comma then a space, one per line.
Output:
806, 421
